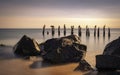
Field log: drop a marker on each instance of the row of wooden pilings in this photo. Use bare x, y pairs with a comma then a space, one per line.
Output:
96, 31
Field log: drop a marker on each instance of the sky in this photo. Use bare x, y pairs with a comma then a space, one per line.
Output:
36, 13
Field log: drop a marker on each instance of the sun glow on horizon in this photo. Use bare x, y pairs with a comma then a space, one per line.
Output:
38, 22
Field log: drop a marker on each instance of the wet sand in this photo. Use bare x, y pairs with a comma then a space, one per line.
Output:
11, 65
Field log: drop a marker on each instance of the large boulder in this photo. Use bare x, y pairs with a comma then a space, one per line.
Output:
107, 62
113, 48
64, 49
110, 59
26, 47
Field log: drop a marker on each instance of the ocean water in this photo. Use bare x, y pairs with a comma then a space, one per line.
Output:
12, 36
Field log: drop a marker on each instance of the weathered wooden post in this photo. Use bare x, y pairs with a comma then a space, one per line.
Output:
64, 30
98, 32
86, 30
95, 30
109, 32
79, 31
58, 30
52, 30
43, 30
104, 31
72, 30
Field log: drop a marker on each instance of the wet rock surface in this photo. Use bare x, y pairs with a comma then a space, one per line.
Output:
110, 59
64, 49
56, 50
113, 48
26, 47
107, 62
83, 66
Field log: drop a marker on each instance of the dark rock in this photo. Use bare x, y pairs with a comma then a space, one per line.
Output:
83, 66
107, 62
3, 45
113, 48
110, 59
26, 47
65, 49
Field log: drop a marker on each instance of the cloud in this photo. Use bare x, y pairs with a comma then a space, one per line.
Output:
61, 3
57, 8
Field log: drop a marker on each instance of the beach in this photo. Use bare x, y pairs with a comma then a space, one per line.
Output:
59, 37
10, 64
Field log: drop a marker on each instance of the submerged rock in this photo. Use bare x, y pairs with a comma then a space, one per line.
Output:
110, 59
26, 47
83, 66
64, 49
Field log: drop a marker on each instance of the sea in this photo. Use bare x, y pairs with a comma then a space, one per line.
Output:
10, 37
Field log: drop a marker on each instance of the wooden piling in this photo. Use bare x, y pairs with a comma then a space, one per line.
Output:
79, 31
98, 32
104, 31
64, 30
87, 31
109, 32
95, 30
58, 30
52, 30
43, 31
72, 30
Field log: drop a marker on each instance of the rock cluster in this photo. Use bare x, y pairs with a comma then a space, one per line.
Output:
110, 59
55, 50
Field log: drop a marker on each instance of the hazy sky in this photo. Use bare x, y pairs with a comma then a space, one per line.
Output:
36, 13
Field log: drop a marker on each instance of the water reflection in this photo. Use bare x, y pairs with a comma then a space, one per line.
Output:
103, 40
44, 64
12, 36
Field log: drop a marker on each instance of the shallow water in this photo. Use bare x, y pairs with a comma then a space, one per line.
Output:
12, 65
12, 36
